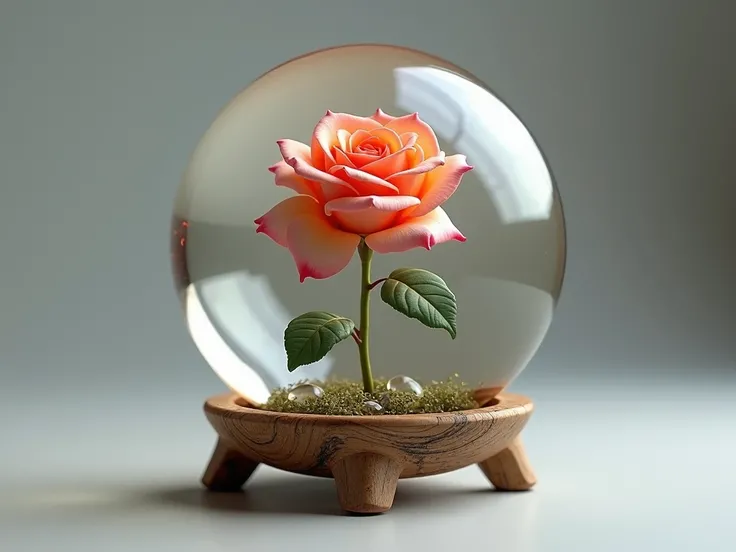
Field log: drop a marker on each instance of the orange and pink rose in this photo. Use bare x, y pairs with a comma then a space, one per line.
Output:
378, 178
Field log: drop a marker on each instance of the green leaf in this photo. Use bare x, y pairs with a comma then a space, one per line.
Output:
310, 336
423, 295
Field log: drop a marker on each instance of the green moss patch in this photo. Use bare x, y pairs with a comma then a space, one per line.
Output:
347, 398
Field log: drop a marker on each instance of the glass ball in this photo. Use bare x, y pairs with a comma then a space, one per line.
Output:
239, 289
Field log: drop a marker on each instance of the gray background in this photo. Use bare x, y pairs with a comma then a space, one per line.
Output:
101, 103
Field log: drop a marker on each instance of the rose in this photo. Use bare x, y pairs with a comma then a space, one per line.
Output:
372, 184
378, 178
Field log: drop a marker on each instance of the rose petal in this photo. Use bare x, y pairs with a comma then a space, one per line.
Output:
276, 221
425, 166
441, 183
409, 138
372, 146
420, 153
287, 178
367, 214
427, 231
382, 117
388, 137
298, 156
360, 159
380, 203
319, 249
324, 137
357, 138
426, 136
305, 170
332, 187
362, 182
294, 149
395, 163
343, 137
342, 158
410, 184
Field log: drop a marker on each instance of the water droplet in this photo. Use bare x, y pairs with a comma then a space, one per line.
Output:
372, 407
304, 391
404, 383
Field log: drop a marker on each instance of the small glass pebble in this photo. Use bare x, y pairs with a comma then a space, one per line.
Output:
305, 391
404, 383
384, 400
372, 407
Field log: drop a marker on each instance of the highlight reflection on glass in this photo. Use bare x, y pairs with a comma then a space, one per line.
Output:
477, 123
239, 291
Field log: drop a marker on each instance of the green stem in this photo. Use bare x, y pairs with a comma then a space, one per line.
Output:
366, 254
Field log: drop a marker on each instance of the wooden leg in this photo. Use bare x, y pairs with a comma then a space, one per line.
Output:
366, 482
228, 470
509, 470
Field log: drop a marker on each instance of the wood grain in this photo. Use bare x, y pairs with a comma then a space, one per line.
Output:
228, 469
366, 482
510, 470
367, 454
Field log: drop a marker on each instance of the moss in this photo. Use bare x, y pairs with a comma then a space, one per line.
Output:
347, 398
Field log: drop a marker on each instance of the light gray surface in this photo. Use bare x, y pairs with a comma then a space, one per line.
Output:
642, 468
101, 104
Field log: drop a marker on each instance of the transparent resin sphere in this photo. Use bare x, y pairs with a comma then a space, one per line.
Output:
239, 289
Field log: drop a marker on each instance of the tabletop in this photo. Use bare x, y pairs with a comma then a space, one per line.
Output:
645, 467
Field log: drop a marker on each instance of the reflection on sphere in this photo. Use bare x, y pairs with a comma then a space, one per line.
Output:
239, 290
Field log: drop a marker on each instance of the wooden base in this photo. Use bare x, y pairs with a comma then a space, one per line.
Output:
228, 470
367, 455
366, 482
509, 470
